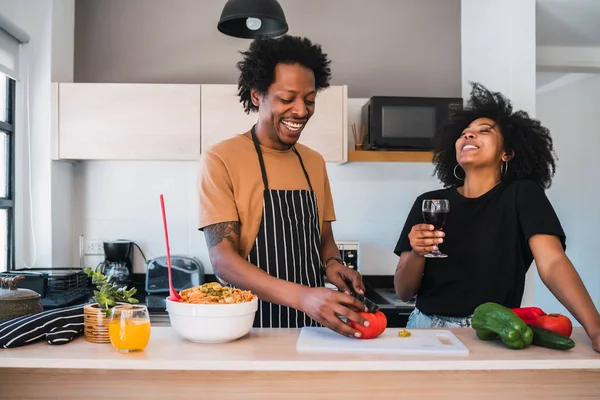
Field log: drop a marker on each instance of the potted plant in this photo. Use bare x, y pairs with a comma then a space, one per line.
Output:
107, 295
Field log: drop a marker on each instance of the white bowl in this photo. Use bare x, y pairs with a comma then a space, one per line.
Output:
212, 323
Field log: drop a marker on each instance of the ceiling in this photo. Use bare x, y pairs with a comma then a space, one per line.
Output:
568, 23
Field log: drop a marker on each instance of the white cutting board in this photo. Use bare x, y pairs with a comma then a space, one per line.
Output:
421, 341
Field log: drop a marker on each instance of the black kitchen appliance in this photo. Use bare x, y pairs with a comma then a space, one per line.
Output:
118, 260
405, 123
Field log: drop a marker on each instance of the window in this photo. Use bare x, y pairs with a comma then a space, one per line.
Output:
7, 172
11, 40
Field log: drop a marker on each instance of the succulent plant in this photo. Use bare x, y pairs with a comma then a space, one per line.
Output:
109, 294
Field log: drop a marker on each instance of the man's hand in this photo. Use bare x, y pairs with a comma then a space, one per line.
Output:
326, 306
344, 278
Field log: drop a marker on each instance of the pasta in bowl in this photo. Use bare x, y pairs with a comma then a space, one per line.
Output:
214, 293
212, 313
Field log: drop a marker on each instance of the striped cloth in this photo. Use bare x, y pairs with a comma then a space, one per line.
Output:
58, 326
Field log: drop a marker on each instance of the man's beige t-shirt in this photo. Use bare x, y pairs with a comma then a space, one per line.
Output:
231, 187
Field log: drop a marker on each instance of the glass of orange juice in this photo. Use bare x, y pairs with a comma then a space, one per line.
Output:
129, 328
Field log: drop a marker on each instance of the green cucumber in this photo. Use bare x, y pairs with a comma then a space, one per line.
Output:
546, 338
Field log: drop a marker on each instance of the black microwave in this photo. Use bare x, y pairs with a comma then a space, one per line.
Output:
405, 123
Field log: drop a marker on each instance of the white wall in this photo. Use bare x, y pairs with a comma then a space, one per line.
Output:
34, 242
120, 200
570, 112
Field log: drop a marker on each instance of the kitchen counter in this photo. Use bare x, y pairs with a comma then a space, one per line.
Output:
266, 365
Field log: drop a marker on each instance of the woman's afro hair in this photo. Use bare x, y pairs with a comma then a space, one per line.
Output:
526, 138
258, 64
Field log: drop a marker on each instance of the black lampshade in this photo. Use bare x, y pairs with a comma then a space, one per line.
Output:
251, 18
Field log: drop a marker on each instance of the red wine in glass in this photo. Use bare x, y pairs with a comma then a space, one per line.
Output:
435, 218
435, 213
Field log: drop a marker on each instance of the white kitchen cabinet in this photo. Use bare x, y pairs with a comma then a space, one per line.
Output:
223, 116
114, 121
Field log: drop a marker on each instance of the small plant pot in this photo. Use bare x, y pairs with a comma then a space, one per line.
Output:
96, 324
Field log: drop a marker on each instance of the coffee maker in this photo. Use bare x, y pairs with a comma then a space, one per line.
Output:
118, 261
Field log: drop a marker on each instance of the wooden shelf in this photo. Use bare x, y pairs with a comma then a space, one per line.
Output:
389, 156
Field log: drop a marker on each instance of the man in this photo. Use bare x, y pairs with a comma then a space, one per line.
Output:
265, 201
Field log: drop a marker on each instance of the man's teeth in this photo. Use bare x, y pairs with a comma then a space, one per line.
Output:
292, 126
470, 146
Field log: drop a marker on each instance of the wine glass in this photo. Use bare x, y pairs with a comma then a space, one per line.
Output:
129, 328
435, 212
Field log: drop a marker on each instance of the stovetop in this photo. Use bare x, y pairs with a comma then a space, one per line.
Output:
389, 295
156, 302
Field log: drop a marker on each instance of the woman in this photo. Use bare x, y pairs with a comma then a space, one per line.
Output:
495, 164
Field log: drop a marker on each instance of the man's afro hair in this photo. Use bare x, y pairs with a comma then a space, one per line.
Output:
258, 64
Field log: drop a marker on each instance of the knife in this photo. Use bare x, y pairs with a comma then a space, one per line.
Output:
371, 306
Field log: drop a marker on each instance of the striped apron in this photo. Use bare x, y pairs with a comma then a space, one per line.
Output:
288, 246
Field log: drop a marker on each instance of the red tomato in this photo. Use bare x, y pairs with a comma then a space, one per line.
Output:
377, 321
556, 323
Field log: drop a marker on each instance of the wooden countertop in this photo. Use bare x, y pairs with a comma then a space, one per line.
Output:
275, 350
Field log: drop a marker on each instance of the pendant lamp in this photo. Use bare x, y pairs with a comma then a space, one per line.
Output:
248, 19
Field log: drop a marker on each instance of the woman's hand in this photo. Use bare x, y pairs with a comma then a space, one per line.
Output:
559, 275
326, 306
596, 342
342, 277
424, 238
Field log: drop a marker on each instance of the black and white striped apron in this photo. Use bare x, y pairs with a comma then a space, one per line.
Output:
287, 245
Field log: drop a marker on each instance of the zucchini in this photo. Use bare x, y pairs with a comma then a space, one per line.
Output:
490, 319
546, 338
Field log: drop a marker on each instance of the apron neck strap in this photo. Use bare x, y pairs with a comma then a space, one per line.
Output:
262, 161
260, 158
303, 169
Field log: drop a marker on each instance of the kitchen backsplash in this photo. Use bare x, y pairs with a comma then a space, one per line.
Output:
120, 200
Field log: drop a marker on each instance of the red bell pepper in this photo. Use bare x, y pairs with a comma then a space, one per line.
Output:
528, 314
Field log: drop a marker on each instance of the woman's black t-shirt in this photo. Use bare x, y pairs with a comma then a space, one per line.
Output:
487, 246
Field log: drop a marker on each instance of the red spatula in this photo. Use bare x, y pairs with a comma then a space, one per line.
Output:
174, 296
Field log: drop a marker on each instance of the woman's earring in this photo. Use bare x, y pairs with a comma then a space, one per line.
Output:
456, 176
504, 168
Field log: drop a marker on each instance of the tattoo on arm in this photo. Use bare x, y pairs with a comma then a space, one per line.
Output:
215, 234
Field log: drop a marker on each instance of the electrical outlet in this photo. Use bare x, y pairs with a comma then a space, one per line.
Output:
93, 248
